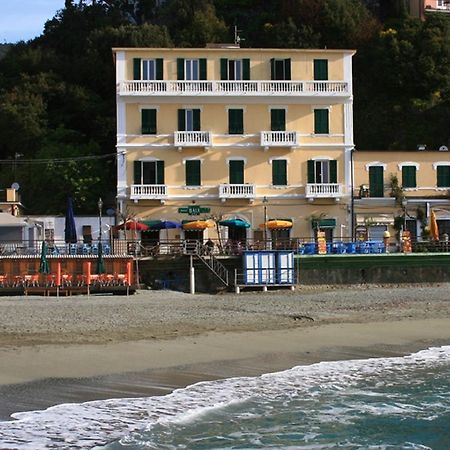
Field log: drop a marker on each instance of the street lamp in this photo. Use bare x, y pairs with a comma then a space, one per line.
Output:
404, 203
265, 201
100, 206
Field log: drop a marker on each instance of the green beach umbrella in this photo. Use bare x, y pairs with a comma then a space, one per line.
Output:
43, 264
100, 262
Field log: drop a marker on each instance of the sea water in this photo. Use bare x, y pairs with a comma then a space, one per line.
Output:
380, 403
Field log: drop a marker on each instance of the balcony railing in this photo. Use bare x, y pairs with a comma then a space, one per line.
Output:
233, 88
323, 190
236, 191
192, 139
148, 192
279, 138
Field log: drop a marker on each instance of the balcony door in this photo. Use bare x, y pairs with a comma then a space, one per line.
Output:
236, 171
188, 120
234, 69
376, 181
148, 172
322, 171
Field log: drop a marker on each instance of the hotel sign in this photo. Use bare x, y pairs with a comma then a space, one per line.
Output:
193, 210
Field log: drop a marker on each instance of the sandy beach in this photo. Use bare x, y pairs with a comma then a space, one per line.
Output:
78, 349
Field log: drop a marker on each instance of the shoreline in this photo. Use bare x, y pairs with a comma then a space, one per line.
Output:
78, 349
87, 375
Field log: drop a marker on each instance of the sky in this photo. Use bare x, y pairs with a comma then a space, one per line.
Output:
25, 19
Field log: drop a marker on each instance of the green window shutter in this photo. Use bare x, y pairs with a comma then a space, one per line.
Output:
321, 121
279, 172
376, 182
203, 74
287, 69
333, 171
193, 173
159, 69
237, 172
278, 120
136, 68
235, 121
223, 69
181, 120
137, 175
180, 68
321, 69
246, 69
196, 120
272, 69
159, 172
311, 177
409, 176
443, 176
148, 121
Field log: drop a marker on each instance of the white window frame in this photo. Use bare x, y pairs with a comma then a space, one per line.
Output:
324, 176
192, 69
148, 67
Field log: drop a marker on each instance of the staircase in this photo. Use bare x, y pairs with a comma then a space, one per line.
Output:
213, 264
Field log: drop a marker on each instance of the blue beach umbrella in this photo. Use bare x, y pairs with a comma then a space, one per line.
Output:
70, 232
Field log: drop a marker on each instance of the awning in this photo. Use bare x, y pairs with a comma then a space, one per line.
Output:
277, 224
323, 223
238, 223
198, 224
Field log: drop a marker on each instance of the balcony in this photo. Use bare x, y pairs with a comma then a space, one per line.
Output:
234, 88
192, 139
279, 139
236, 191
323, 190
148, 192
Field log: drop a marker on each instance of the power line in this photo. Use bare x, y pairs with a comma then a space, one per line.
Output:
57, 160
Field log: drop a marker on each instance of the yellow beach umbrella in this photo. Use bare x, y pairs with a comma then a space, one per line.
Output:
434, 229
199, 225
277, 224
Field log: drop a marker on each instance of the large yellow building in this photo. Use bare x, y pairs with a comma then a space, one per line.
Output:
250, 134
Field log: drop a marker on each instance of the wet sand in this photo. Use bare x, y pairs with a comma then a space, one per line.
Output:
155, 342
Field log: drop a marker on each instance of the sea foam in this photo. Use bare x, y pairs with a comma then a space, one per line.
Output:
97, 423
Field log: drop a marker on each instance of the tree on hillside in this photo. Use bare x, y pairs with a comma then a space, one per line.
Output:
401, 80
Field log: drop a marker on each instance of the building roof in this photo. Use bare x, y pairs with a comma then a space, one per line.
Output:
8, 220
227, 50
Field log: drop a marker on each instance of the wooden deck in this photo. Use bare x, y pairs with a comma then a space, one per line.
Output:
67, 291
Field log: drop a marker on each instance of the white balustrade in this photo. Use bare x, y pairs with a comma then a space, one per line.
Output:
279, 138
148, 191
230, 88
323, 190
236, 191
192, 139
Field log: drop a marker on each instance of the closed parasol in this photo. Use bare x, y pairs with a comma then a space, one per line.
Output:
434, 229
70, 232
43, 263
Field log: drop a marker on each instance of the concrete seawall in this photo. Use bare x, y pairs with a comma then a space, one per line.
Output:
173, 273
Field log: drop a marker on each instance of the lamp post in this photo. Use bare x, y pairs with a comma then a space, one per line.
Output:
404, 203
100, 207
265, 220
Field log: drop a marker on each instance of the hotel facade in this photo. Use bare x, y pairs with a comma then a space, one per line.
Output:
230, 133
